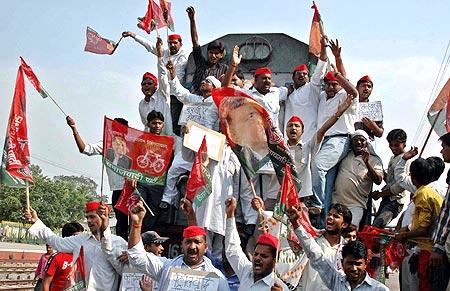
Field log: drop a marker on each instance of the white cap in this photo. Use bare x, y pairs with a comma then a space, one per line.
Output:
216, 83
360, 132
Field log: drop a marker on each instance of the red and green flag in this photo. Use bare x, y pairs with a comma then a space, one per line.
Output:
439, 112
128, 198
15, 170
166, 8
316, 32
199, 186
97, 44
135, 154
251, 134
153, 19
33, 79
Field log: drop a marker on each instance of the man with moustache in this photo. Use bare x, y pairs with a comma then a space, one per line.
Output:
258, 274
193, 246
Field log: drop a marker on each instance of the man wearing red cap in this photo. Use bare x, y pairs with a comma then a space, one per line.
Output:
373, 128
304, 101
179, 58
336, 142
193, 247
101, 273
256, 275
156, 96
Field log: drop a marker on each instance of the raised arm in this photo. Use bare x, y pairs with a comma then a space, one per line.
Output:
348, 87
138, 257
186, 207
236, 257
149, 46
234, 63
163, 77
181, 93
78, 140
319, 71
374, 175
194, 36
336, 50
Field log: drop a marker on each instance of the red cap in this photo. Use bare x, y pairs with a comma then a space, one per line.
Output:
295, 119
301, 67
330, 76
268, 239
365, 78
151, 77
92, 206
263, 70
174, 37
193, 230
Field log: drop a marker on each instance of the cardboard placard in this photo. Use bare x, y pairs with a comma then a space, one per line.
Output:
372, 110
190, 280
215, 141
196, 113
130, 279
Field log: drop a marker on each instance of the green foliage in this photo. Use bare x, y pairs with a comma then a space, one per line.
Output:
57, 201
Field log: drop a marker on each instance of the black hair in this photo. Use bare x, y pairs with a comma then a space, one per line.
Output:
349, 229
396, 134
363, 81
216, 45
121, 120
344, 211
240, 75
356, 249
70, 228
445, 139
272, 250
155, 115
438, 166
422, 171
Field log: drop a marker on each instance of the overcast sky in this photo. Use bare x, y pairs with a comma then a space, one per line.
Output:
400, 44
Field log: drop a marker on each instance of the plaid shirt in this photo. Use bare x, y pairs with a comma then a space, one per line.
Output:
204, 69
441, 231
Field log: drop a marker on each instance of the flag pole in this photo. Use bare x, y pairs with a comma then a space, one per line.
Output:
146, 206
117, 44
27, 198
54, 101
260, 211
429, 132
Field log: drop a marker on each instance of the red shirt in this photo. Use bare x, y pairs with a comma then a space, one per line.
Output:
59, 266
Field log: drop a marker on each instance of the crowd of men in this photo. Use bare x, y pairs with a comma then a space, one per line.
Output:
333, 151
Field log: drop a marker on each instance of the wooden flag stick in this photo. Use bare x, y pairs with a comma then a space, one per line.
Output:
27, 197
146, 206
429, 132
117, 44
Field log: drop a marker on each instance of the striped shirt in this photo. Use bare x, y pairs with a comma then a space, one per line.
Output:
204, 69
441, 231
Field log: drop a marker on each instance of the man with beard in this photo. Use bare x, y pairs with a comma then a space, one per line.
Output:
336, 141
193, 247
330, 242
204, 67
258, 274
102, 274
177, 55
373, 129
156, 98
356, 175
354, 261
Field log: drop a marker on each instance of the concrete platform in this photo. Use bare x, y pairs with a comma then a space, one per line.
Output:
17, 251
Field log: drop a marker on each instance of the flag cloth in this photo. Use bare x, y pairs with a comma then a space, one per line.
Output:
252, 135
198, 186
439, 110
97, 44
77, 277
153, 19
316, 31
166, 8
128, 198
15, 168
135, 154
33, 79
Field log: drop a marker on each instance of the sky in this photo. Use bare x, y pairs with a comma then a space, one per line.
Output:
400, 44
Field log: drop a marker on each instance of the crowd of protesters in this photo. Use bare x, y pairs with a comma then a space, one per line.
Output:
334, 152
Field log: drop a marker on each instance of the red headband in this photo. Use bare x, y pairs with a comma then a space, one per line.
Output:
174, 37
268, 239
295, 119
151, 77
301, 67
330, 76
365, 79
193, 230
92, 206
264, 70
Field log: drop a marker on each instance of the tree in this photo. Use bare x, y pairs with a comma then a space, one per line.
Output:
57, 201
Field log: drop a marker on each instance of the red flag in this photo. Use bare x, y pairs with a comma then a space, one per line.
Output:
153, 19
135, 154
127, 198
97, 44
33, 79
16, 154
166, 8
316, 31
198, 186
447, 114
440, 110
